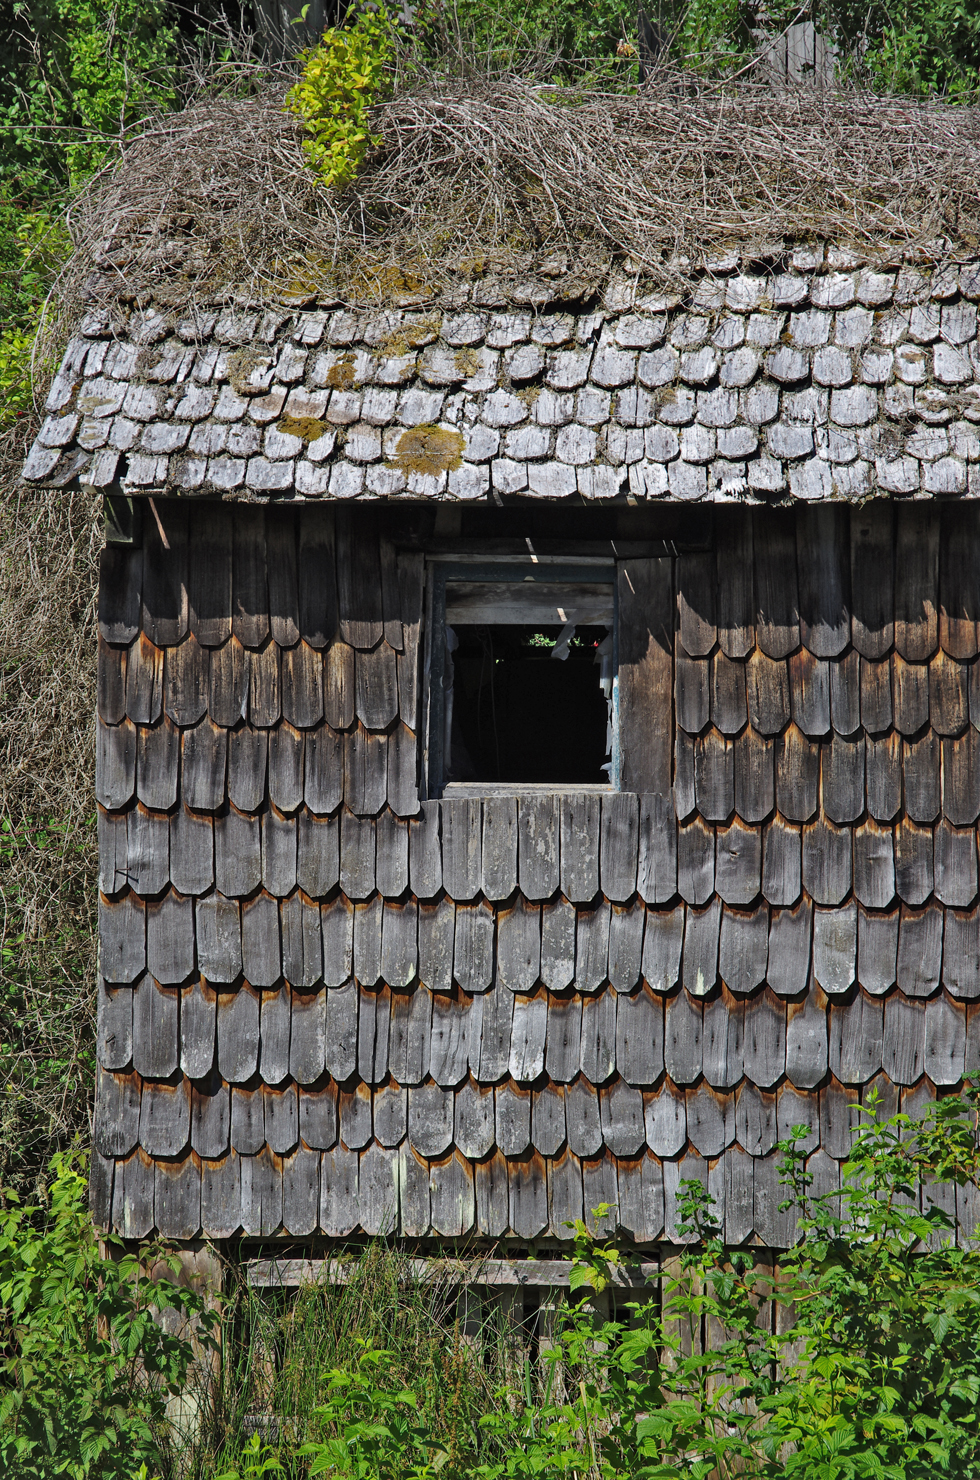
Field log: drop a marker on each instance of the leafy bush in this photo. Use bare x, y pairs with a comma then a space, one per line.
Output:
86, 1367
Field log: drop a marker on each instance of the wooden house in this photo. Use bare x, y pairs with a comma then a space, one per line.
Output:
538, 754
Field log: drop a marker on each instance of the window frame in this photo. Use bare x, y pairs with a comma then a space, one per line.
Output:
511, 570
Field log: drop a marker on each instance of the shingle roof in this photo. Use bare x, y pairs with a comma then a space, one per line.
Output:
826, 379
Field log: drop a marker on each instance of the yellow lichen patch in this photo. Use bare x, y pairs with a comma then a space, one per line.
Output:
307, 427
406, 337
429, 450
242, 365
341, 375
467, 362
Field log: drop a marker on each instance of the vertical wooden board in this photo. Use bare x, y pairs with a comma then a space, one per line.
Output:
824, 578
743, 948
391, 1114
945, 1040
367, 940
874, 865
948, 694
247, 765
238, 1034
165, 1117
739, 1196
877, 950
177, 1198
806, 1040
250, 590
809, 687
308, 1035
191, 851
430, 1119
728, 702
961, 778
755, 1120
714, 776
462, 862
767, 693
261, 953
683, 1035
492, 1197
563, 1050
237, 853
528, 1196
425, 851
302, 686
354, 1113
696, 862
764, 1049
338, 1192
281, 1112
690, 1168
221, 1196
701, 933
558, 932
114, 1025
409, 1034
854, 1032
723, 1032
754, 776
148, 850
845, 693
920, 950
286, 767
685, 799
872, 578
210, 579
961, 953
473, 953
921, 766
903, 1044
621, 1118
357, 855
157, 758
317, 853
734, 583
916, 580
592, 947
518, 945
599, 1037
165, 574
835, 948
281, 571
365, 771
117, 1112
113, 861
644, 589
884, 776
403, 783
696, 602
789, 949
317, 577
738, 863
436, 931
565, 1205
582, 1124
301, 1192
211, 1116
910, 694
913, 862
656, 876
490, 1056
120, 588
122, 938
692, 691
264, 685
843, 778
376, 687
839, 1118
775, 1228
710, 1120
474, 1123
411, 583
618, 845
278, 853
876, 694
338, 686
663, 940
203, 765
782, 869
399, 943
452, 1197
359, 578
340, 1050
776, 597
548, 1119
528, 1034
198, 1012
132, 1197
186, 672
665, 1119
170, 938
797, 775
955, 864
302, 951
449, 1040
959, 584
499, 847
826, 862
639, 1038
228, 677
580, 836
625, 955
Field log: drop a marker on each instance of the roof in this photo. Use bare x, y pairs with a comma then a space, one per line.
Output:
815, 376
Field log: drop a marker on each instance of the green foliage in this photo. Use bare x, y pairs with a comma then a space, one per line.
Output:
86, 1367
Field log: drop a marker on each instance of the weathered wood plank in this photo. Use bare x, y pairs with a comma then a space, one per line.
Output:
452, 1197
357, 855
806, 1040
723, 1031
683, 1032
563, 1049
462, 861
876, 694
764, 1048
365, 771
339, 1178
144, 681
916, 580
264, 686
490, 1054
877, 951
782, 876
663, 939
301, 1192
165, 1117
692, 691
122, 938
948, 694
826, 862
797, 774
157, 759
618, 845
776, 596
945, 1040
238, 1033
621, 1118
155, 1043
920, 950
247, 765
403, 781
409, 1035
903, 1043
165, 574
734, 583
755, 1120
884, 776
210, 580
492, 1197
738, 863
519, 945
961, 953
599, 1037
845, 693
701, 934
302, 686
513, 1119
425, 851
835, 948
198, 1010
824, 579
318, 1117
921, 761
843, 778
354, 1109
625, 955
499, 847
282, 572
261, 952
743, 949
714, 776
592, 947
228, 683
754, 776
473, 964
367, 940
237, 853
147, 850
644, 589
411, 580
582, 1124
112, 666
955, 864
767, 693
656, 878
665, 1118
565, 1204
872, 579
580, 837
528, 1196
696, 862
359, 590
390, 1111
528, 1034
302, 951
959, 584
558, 931
474, 1132
170, 938
809, 686
113, 852
910, 694
639, 1038
789, 949
308, 1035
710, 1121
728, 701
436, 932
961, 778
373, 1025
376, 686
317, 577
250, 588
317, 853
695, 577
339, 685
874, 865
120, 592
399, 943
278, 853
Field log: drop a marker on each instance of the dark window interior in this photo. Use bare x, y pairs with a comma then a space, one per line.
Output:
523, 714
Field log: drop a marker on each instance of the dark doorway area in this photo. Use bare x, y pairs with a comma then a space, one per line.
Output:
522, 712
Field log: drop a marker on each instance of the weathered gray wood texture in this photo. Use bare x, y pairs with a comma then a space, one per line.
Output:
327, 1008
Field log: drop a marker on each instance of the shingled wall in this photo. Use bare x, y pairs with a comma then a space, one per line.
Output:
329, 1009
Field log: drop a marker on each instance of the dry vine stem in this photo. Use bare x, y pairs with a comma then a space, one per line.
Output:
479, 175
